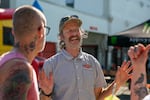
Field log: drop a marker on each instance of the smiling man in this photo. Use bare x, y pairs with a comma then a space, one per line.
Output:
74, 74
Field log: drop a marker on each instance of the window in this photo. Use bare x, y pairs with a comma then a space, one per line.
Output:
8, 38
70, 3
91, 49
4, 3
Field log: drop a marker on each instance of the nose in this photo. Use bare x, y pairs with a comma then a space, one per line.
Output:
74, 31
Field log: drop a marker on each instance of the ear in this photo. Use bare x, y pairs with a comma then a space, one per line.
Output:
12, 31
40, 33
61, 36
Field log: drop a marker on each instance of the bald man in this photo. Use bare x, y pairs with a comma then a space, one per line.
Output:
17, 77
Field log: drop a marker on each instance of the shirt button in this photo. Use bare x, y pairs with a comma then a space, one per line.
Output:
76, 67
78, 78
79, 90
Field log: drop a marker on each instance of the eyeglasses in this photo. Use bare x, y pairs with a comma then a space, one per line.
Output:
47, 29
64, 19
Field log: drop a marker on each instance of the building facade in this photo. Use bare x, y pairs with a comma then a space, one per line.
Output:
101, 18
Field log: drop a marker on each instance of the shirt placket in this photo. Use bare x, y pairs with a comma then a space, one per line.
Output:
78, 78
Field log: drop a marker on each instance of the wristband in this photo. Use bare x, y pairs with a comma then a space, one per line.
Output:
48, 95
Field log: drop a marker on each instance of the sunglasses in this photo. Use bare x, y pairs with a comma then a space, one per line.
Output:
64, 19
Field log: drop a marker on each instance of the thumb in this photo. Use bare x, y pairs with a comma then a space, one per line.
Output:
147, 49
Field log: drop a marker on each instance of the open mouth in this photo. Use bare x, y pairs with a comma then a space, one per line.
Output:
75, 38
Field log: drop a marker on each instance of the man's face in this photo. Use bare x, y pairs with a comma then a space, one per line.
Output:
72, 35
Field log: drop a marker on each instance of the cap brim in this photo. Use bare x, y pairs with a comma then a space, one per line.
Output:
78, 21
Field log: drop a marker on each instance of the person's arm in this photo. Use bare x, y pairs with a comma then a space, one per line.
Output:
101, 94
138, 83
19, 79
138, 55
45, 84
122, 75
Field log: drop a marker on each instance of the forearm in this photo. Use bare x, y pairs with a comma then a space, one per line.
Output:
138, 82
110, 90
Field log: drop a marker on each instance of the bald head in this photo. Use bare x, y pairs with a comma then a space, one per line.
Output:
26, 20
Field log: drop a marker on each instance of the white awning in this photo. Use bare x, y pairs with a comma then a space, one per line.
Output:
142, 30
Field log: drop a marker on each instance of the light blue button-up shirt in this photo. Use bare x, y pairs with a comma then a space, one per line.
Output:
74, 78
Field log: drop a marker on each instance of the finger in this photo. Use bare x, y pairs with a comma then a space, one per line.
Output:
125, 65
136, 48
140, 49
43, 75
51, 76
118, 67
40, 75
129, 69
147, 49
136, 51
131, 52
39, 79
131, 75
118, 70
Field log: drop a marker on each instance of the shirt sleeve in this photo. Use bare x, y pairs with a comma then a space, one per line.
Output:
100, 79
48, 67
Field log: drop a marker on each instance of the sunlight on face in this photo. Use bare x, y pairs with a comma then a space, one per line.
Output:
72, 35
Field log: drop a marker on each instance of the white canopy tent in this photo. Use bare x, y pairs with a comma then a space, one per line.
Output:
141, 30
132, 36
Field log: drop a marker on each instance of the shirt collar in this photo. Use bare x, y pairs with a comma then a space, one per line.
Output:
69, 57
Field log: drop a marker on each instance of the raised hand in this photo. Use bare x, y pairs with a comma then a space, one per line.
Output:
46, 83
138, 54
123, 73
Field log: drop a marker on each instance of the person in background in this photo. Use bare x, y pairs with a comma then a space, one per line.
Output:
138, 55
73, 74
18, 79
37, 63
